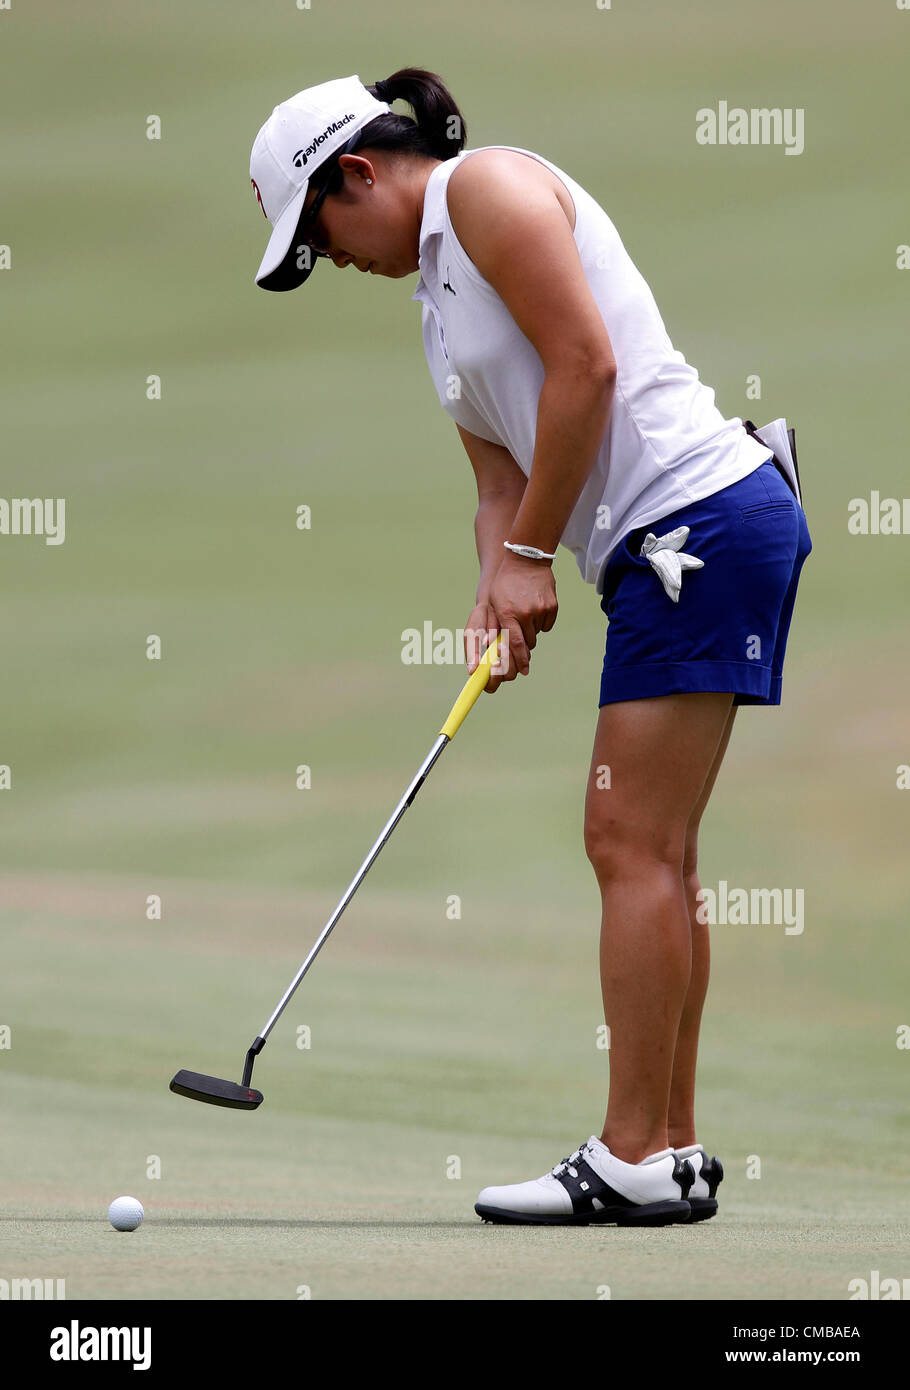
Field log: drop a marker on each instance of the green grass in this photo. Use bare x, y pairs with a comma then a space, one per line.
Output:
430, 1037
427, 1044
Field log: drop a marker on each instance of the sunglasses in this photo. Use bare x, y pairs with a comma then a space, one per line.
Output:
308, 220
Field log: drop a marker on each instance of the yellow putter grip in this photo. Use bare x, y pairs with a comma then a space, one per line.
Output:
474, 685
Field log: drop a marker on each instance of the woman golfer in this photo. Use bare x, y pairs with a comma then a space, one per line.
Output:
586, 428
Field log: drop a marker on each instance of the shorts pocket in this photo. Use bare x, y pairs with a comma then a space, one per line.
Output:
632, 547
760, 512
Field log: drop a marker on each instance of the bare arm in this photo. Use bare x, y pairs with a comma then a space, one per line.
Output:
500, 488
512, 225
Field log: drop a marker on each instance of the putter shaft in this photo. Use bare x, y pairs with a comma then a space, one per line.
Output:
355, 883
457, 715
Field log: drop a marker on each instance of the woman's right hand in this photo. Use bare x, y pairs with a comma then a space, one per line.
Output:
481, 628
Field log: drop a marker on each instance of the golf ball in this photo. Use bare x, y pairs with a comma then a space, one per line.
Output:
125, 1213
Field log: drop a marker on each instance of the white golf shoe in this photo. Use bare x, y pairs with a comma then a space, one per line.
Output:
709, 1174
593, 1186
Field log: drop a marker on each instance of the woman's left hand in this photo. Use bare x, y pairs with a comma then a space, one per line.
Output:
523, 597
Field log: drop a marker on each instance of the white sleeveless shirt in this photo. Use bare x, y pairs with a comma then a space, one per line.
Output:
666, 444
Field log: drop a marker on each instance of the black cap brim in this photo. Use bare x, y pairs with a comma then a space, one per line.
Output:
288, 275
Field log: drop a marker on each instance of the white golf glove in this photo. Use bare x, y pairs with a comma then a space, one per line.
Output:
666, 558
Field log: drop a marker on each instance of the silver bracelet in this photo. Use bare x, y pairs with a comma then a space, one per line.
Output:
530, 552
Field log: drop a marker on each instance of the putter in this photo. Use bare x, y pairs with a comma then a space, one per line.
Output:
213, 1090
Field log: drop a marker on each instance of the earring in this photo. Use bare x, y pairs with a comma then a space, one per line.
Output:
369, 180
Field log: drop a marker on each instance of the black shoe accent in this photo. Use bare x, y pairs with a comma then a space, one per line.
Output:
683, 1176
587, 1185
712, 1170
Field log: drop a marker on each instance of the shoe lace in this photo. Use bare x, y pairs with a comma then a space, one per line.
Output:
569, 1162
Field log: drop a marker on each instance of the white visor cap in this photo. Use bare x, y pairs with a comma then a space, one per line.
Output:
302, 133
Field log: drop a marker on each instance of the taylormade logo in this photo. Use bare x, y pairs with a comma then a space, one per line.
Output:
75, 1343
301, 157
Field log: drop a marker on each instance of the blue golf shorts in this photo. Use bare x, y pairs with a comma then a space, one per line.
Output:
728, 631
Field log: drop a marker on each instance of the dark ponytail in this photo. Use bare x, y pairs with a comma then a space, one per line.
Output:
437, 130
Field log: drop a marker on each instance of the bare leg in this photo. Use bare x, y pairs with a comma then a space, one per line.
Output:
682, 1090
660, 753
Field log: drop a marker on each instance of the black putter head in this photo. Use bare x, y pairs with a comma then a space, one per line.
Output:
214, 1091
